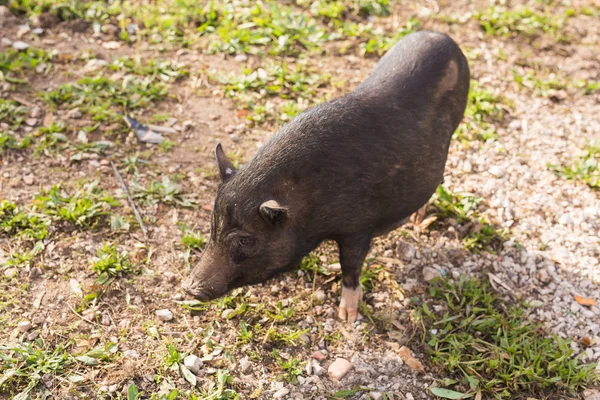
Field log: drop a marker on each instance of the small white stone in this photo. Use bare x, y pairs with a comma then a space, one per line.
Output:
339, 368
244, 364
192, 363
317, 369
409, 396
11, 272
164, 315
566, 219
375, 395
131, 354
320, 295
281, 393
496, 171
20, 45
24, 326
430, 273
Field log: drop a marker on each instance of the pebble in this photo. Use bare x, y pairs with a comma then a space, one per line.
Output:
11, 272
320, 295
244, 364
496, 171
31, 121
241, 58
133, 354
105, 320
591, 394
409, 396
280, 393
193, 363
375, 395
24, 326
39, 320
28, 179
33, 335
164, 315
317, 369
20, 45
430, 273
339, 368
566, 219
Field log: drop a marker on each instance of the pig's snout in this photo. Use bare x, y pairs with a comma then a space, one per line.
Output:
208, 280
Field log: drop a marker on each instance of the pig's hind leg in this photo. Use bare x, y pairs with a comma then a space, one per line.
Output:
353, 250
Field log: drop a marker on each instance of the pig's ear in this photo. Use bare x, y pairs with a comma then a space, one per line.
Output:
272, 211
226, 168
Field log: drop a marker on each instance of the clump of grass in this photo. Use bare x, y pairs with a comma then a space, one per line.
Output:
484, 110
11, 113
14, 64
586, 169
167, 192
500, 21
23, 366
493, 349
12, 142
341, 10
15, 222
87, 208
193, 240
291, 367
372, 43
111, 264
462, 211
101, 97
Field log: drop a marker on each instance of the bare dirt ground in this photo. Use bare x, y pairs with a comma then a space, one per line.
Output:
550, 254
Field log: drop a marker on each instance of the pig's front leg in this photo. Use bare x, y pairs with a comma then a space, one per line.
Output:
353, 250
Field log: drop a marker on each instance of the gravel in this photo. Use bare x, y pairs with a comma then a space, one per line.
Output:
164, 315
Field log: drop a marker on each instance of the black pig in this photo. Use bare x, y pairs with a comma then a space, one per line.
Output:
346, 170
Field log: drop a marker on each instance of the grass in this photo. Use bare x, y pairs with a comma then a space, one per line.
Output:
16, 222
253, 89
12, 142
14, 64
12, 114
545, 85
168, 191
87, 208
462, 210
524, 21
111, 264
586, 169
492, 349
25, 366
484, 110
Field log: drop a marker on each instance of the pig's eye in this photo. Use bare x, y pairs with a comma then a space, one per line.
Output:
246, 241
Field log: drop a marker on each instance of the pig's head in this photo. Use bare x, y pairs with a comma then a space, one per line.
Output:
251, 239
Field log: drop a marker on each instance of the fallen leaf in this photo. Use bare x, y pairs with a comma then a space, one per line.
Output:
427, 221
406, 355
450, 394
585, 301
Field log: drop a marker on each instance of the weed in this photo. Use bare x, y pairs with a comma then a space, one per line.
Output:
291, 367
111, 264
87, 208
14, 222
12, 142
521, 20
168, 192
338, 10
14, 64
477, 234
484, 110
24, 366
191, 239
25, 258
311, 264
12, 114
493, 349
219, 390
586, 169
377, 44
166, 145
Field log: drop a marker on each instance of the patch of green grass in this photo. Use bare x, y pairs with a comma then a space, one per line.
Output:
586, 169
192, 240
12, 113
377, 43
544, 86
167, 192
484, 110
462, 210
493, 348
12, 142
111, 264
104, 99
16, 222
14, 64
24, 258
340, 10
157, 70
291, 367
524, 21
87, 208
219, 389
312, 265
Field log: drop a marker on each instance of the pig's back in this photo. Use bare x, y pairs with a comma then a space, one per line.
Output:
374, 156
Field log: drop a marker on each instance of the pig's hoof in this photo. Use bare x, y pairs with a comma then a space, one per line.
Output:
349, 304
